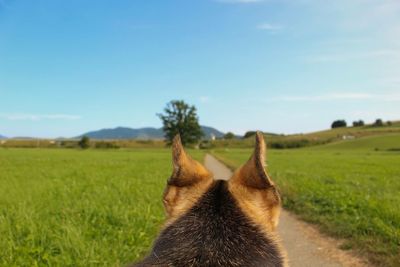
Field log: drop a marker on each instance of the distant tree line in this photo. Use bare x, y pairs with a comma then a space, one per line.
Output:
339, 124
359, 123
229, 135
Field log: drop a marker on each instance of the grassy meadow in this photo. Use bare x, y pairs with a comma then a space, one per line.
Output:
66, 207
280, 141
350, 188
102, 207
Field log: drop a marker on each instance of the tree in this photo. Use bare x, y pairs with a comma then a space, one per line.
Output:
358, 123
229, 135
378, 123
181, 118
84, 142
249, 134
389, 123
338, 124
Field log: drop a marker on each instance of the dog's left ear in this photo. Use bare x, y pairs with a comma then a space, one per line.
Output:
187, 171
188, 182
255, 191
252, 173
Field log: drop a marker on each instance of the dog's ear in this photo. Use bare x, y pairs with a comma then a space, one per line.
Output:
253, 174
255, 191
186, 171
188, 182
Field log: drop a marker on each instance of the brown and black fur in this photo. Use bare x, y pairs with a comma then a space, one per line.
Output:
222, 223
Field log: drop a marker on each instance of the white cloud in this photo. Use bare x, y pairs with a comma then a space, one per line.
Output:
389, 97
375, 54
270, 27
204, 99
38, 117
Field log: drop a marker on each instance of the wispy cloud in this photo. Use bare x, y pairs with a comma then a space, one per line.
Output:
389, 97
269, 27
374, 114
204, 99
240, 1
383, 53
38, 117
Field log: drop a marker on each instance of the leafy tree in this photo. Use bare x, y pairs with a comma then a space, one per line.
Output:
181, 118
249, 134
338, 124
84, 142
358, 123
378, 123
229, 135
389, 123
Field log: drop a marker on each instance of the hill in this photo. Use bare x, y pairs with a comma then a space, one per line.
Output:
331, 135
126, 133
281, 141
210, 131
2, 137
389, 142
147, 133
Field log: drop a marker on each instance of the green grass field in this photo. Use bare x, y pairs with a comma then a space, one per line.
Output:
350, 188
67, 207
319, 138
80, 208
368, 143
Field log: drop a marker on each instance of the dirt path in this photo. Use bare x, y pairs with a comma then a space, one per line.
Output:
305, 246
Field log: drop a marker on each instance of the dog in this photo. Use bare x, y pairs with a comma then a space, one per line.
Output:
219, 223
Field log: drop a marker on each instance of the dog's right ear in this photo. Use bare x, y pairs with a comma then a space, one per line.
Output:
252, 174
189, 180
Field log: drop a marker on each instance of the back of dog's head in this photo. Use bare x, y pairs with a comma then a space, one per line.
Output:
219, 223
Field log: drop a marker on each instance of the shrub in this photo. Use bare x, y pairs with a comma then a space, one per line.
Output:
206, 144
249, 134
106, 145
84, 143
358, 123
229, 135
338, 124
289, 144
378, 123
69, 144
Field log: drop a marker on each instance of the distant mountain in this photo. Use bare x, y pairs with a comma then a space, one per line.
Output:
142, 133
209, 131
126, 133
2, 137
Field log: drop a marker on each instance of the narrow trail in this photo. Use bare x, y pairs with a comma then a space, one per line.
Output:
305, 246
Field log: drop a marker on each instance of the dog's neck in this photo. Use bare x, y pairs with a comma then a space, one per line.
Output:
214, 232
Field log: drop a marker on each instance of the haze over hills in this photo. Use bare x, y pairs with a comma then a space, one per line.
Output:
142, 133
153, 133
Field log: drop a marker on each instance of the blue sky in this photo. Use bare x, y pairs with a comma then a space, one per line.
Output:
67, 67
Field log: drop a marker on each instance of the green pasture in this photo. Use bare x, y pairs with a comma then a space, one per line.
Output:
350, 188
387, 142
64, 207
69, 207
